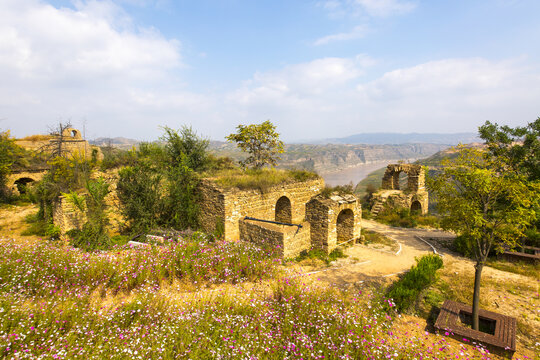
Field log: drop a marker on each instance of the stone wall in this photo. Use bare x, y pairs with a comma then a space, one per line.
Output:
289, 240
34, 176
72, 142
416, 177
333, 220
229, 206
66, 216
413, 197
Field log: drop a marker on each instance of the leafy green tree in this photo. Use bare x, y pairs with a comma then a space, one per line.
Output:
185, 147
8, 155
260, 141
488, 207
519, 147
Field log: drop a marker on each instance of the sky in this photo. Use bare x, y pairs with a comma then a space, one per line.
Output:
315, 68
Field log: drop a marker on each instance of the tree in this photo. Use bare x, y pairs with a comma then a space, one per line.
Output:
8, 155
519, 147
261, 141
487, 206
185, 146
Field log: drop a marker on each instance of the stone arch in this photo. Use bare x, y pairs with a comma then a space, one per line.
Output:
416, 206
72, 133
345, 225
284, 210
22, 184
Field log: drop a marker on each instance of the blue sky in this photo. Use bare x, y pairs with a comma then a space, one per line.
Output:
317, 69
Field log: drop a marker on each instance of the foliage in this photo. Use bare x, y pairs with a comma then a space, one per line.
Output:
490, 207
337, 190
160, 188
482, 199
8, 156
139, 190
260, 141
322, 255
403, 217
116, 158
93, 235
406, 290
519, 147
185, 148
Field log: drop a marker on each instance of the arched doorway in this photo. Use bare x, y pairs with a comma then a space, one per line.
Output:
345, 225
416, 207
22, 184
284, 210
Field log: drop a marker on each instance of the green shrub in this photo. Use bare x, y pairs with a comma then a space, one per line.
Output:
321, 255
405, 291
53, 232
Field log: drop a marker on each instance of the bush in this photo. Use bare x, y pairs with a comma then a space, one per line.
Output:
403, 217
405, 291
321, 255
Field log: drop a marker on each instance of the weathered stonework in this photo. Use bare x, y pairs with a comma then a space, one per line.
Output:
325, 222
66, 216
72, 143
414, 196
290, 241
226, 207
23, 178
333, 220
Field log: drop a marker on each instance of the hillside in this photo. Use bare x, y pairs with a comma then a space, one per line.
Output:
397, 138
334, 157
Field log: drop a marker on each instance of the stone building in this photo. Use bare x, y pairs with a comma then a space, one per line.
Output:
333, 220
72, 143
307, 221
413, 195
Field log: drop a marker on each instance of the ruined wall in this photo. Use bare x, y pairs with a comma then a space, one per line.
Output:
14, 177
66, 216
415, 174
414, 197
232, 205
289, 240
72, 142
330, 221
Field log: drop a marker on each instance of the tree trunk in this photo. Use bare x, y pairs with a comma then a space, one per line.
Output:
476, 295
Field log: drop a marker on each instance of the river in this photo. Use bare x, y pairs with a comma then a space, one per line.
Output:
354, 174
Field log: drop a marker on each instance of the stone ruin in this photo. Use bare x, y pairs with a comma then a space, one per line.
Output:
413, 196
314, 221
72, 143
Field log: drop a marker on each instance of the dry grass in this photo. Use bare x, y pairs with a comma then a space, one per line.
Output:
34, 138
260, 180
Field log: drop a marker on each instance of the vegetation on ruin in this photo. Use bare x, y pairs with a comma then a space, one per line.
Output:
339, 190
258, 179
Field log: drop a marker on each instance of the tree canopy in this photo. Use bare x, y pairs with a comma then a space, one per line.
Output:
486, 205
260, 141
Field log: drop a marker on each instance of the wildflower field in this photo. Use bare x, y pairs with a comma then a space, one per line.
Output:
62, 303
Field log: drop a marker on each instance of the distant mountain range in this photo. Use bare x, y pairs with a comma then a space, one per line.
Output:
397, 138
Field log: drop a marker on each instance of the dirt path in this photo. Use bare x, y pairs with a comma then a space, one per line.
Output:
13, 221
364, 263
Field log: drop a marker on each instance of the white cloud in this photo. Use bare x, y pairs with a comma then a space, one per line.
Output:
78, 62
356, 33
372, 8
364, 10
449, 95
